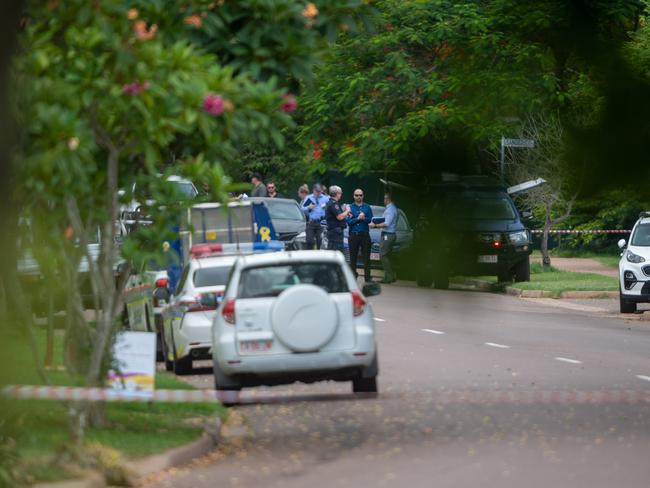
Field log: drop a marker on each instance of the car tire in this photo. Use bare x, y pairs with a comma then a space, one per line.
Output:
625, 305
504, 275
424, 278
364, 385
441, 282
225, 382
522, 271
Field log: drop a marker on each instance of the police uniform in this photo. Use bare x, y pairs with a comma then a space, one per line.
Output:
334, 226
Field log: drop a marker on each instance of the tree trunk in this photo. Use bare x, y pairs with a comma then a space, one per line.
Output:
49, 348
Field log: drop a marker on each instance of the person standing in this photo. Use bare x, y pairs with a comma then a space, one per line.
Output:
314, 208
336, 216
303, 191
359, 238
272, 191
388, 236
259, 190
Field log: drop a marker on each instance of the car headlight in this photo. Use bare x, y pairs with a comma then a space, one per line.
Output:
518, 238
634, 258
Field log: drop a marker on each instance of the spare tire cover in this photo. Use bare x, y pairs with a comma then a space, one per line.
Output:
304, 318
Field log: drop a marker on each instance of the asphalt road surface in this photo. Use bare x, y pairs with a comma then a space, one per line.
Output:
476, 389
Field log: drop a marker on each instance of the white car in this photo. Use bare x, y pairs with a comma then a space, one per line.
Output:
634, 266
294, 316
188, 317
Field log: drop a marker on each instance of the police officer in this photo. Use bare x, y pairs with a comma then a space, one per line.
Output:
388, 237
336, 216
314, 208
360, 217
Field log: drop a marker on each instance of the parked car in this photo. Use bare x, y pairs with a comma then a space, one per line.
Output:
634, 266
294, 316
471, 228
288, 220
188, 317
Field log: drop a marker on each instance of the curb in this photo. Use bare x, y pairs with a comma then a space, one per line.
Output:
517, 292
178, 455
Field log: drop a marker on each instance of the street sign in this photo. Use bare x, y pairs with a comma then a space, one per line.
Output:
529, 143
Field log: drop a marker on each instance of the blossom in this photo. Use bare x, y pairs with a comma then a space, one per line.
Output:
193, 20
310, 11
135, 87
290, 103
132, 14
142, 32
73, 143
213, 104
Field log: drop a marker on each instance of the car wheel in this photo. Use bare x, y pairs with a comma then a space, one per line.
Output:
364, 385
225, 382
625, 305
441, 282
182, 366
424, 278
504, 275
522, 271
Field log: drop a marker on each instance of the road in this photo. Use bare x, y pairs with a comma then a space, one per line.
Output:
475, 390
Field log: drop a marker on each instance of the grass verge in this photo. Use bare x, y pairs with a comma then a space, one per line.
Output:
608, 259
38, 430
555, 281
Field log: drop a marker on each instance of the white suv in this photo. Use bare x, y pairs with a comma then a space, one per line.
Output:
634, 266
188, 317
294, 316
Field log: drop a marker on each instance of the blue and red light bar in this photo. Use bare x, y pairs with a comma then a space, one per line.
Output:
205, 250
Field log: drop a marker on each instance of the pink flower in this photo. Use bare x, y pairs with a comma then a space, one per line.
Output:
213, 104
135, 87
290, 103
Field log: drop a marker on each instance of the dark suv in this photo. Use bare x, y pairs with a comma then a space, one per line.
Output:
472, 230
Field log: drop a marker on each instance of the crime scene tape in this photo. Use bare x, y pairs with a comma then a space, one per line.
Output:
577, 231
264, 396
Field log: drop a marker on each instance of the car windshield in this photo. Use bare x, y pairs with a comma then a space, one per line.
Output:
284, 211
480, 206
641, 236
186, 188
270, 281
214, 276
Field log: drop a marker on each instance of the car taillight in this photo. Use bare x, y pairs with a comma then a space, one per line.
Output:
358, 303
228, 311
162, 283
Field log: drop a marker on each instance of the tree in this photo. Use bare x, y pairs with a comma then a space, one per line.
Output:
552, 200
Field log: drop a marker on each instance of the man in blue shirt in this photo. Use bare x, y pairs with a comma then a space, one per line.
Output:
359, 235
314, 208
389, 228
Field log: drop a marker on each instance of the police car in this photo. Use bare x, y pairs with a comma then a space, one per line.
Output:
634, 266
188, 317
294, 316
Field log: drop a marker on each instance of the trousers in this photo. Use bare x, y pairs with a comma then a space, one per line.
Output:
360, 241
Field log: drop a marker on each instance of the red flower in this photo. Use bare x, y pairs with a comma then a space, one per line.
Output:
213, 104
290, 103
135, 87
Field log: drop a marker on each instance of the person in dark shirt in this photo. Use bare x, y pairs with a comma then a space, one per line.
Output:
359, 237
272, 191
335, 215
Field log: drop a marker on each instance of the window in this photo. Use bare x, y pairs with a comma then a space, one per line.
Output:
641, 236
186, 188
480, 206
214, 276
270, 281
402, 223
284, 211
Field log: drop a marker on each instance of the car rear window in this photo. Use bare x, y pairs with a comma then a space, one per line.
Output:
641, 235
270, 281
214, 276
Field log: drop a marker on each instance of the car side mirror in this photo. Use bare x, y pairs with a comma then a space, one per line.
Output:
371, 289
621, 244
210, 300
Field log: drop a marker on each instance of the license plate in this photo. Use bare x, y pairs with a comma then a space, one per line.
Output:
255, 346
487, 259
374, 256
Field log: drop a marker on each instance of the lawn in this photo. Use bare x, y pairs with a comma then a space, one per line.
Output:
608, 259
40, 428
555, 281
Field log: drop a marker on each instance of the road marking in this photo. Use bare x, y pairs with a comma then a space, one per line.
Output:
431, 331
493, 344
641, 377
567, 360
379, 320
